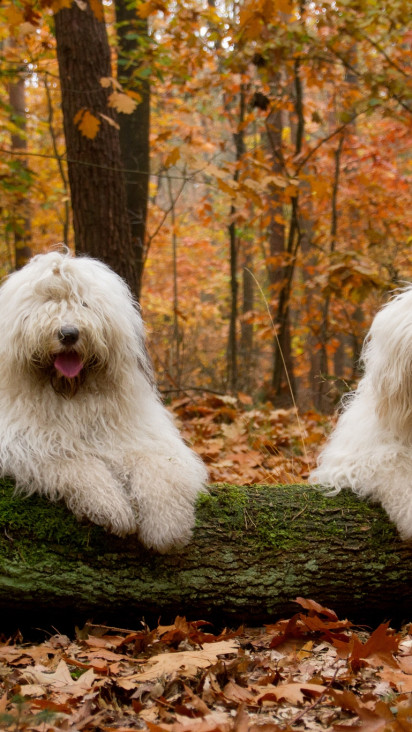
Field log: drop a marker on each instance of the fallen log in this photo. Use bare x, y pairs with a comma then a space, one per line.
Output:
254, 550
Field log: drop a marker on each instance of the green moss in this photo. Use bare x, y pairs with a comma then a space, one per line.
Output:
226, 504
287, 516
268, 517
25, 519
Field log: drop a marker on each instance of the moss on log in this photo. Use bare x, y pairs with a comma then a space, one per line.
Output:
254, 550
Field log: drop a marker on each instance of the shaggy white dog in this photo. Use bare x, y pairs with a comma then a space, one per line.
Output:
80, 418
370, 450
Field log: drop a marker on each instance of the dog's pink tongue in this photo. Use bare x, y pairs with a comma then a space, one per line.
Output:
69, 364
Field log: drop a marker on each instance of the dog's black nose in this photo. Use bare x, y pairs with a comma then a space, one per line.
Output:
68, 335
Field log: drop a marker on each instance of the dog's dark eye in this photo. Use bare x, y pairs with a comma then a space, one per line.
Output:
85, 305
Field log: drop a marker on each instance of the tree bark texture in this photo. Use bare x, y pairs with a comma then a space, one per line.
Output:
21, 213
254, 550
278, 272
134, 127
98, 194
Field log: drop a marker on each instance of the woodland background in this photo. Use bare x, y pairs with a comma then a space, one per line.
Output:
246, 166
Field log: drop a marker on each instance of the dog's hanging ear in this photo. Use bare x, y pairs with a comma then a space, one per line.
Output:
145, 364
142, 355
387, 355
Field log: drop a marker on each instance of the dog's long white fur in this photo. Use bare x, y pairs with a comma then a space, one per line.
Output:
110, 449
370, 450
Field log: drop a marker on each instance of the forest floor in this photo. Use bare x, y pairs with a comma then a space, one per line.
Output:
311, 671
243, 444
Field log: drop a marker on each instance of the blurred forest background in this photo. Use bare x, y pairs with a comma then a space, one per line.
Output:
246, 166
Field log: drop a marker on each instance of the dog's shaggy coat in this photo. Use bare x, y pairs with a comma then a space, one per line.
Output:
370, 450
80, 419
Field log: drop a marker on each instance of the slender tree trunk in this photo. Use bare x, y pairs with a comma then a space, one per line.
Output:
246, 327
281, 274
21, 214
176, 328
232, 351
134, 128
322, 402
101, 224
60, 163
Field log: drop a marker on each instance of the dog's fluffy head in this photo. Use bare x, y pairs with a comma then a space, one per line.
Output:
67, 321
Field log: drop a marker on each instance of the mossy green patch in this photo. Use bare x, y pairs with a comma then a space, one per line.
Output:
28, 519
286, 516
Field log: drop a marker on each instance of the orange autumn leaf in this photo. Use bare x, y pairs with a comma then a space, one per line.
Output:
97, 7
87, 123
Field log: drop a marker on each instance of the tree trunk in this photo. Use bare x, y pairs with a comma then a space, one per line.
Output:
254, 550
134, 127
246, 327
100, 219
21, 213
232, 347
280, 271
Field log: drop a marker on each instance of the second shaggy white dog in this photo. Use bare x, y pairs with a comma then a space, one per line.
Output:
80, 419
370, 450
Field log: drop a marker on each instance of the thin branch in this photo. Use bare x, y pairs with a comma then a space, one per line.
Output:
329, 137
385, 55
168, 210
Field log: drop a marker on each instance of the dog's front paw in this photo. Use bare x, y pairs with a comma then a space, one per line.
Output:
165, 535
108, 509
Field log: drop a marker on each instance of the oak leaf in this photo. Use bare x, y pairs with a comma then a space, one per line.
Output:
172, 157
97, 8
87, 123
121, 102
293, 692
186, 663
60, 679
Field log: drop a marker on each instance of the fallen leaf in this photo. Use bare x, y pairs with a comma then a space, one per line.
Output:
60, 679
186, 663
292, 692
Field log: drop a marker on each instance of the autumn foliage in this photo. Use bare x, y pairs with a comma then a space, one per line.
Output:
279, 206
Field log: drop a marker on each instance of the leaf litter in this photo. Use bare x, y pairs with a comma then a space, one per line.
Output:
245, 445
312, 671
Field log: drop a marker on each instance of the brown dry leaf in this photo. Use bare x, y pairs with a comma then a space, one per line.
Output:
18, 656
213, 722
238, 694
109, 120
378, 649
293, 692
121, 102
267, 727
397, 678
105, 641
128, 729
33, 690
314, 606
186, 663
405, 663
60, 679
371, 720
